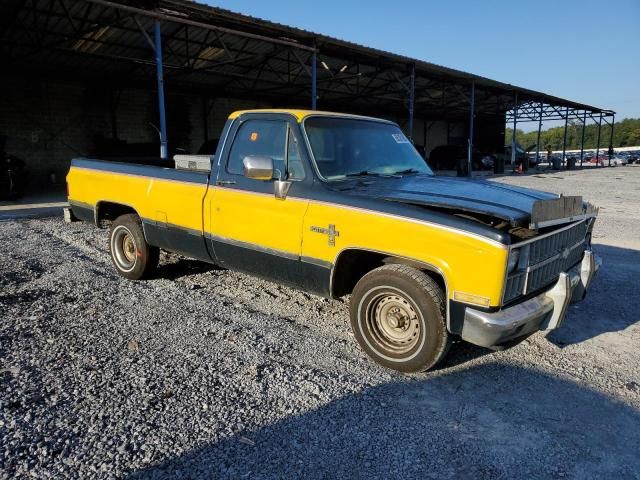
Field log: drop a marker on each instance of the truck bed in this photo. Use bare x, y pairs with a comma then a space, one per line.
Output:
168, 201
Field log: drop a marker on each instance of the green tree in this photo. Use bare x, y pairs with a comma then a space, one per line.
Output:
626, 133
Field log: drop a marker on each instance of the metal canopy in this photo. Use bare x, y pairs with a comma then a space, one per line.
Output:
219, 53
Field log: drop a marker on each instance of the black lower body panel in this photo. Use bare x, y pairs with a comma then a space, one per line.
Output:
190, 243
83, 211
288, 270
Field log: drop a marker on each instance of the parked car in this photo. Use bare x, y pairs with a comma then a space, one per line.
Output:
12, 173
631, 157
449, 157
600, 160
521, 155
618, 160
339, 205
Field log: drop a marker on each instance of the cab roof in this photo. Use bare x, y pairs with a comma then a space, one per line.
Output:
300, 115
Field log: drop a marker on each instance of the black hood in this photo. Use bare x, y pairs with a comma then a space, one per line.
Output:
512, 204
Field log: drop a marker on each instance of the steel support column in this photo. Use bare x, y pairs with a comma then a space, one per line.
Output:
424, 137
472, 114
513, 134
613, 121
598, 142
584, 125
564, 140
314, 80
538, 138
164, 153
412, 91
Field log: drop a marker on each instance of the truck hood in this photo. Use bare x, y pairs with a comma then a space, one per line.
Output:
512, 204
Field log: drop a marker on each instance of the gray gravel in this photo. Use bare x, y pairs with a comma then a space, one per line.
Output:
205, 373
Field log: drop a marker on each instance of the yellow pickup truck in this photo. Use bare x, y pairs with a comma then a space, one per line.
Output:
338, 205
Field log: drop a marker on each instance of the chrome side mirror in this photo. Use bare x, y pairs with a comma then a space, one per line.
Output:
258, 167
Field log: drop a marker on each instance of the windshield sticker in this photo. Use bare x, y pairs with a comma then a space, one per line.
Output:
400, 138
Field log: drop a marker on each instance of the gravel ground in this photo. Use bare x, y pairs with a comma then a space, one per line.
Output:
205, 373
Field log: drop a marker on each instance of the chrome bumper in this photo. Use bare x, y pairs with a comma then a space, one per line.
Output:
543, 312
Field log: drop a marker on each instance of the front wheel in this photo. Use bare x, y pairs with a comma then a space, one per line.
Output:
398, 317
132, 256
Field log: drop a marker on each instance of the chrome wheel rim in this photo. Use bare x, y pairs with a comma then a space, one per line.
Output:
393, 322
123, 248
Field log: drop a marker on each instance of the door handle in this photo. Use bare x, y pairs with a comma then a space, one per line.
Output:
226, 182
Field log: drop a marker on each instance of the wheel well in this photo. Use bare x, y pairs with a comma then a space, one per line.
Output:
353, 264
109, 211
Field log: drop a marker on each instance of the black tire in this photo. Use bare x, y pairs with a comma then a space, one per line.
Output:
132, 256
398, 317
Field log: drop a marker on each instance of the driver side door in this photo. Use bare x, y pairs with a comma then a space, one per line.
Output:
251, 230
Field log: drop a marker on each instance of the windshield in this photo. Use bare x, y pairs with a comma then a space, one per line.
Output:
344, 147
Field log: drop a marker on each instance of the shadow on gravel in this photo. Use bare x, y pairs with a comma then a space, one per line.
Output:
613, 303
183, 267
488, 421
462, 352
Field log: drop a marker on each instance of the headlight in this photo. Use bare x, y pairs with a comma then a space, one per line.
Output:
512, 263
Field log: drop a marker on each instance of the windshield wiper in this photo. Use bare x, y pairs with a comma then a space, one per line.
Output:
363, 173
406, 172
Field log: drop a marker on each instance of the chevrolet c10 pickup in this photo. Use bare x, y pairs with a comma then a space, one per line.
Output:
343, 205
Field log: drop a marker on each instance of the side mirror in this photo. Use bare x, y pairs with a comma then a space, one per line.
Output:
258, 167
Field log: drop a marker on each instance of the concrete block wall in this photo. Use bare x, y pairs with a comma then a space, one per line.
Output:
49, 123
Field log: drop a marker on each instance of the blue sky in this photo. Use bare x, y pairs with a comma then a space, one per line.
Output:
587, 51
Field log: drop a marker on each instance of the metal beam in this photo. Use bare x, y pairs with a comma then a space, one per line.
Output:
412, 96
513, 135
538, 139
598, 141
584, 124
164, 153
564, 140
613, 121
314, 80
174, 19
472, 115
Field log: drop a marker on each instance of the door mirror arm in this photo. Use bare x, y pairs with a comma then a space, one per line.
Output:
281, 189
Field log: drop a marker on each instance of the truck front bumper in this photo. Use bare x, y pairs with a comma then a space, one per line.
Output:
543, 312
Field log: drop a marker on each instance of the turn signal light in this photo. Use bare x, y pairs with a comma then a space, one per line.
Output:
473, 299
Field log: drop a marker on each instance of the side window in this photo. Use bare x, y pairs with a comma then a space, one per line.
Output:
294, 162
258, 137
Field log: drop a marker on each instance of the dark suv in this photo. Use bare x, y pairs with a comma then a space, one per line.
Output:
451, 157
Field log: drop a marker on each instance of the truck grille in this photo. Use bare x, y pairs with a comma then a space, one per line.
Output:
550, 246
547, 258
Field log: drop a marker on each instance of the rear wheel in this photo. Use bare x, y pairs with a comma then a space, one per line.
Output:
398, 317
132, 256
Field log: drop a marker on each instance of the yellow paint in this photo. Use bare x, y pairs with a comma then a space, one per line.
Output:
260, 219
178, 203
300, 115
470, 263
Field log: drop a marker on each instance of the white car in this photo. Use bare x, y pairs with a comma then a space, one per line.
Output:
618, 160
